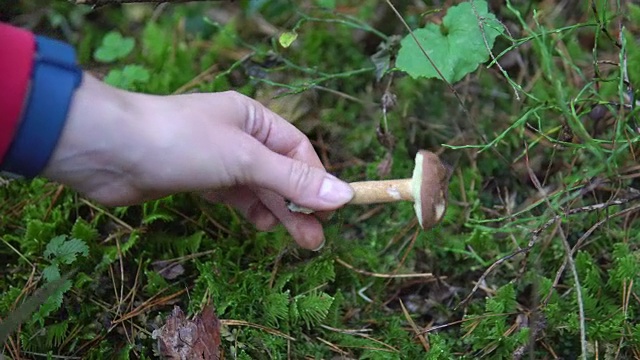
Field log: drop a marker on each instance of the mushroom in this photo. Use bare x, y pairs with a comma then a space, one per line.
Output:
427, 188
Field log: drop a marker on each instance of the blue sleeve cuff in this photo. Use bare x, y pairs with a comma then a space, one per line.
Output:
55, 77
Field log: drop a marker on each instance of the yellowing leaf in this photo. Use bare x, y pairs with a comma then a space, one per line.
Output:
287, 38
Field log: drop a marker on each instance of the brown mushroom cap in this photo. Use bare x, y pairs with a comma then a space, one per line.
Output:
429, 185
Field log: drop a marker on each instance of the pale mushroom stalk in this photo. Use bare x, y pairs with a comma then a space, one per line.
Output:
427, 188
381, 191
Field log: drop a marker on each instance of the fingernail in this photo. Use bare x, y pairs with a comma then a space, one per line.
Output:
335, 191
321, 246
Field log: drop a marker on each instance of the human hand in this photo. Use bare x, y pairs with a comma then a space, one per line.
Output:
122, 148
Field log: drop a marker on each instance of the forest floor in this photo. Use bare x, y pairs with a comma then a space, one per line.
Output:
536, 257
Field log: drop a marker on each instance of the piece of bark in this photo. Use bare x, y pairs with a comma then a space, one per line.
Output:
198, 339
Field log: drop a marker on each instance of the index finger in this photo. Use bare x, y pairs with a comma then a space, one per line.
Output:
276, 133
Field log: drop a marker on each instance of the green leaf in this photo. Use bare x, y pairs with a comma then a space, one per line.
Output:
64, 251
456, 47
53, 302
127, 77
52, 247
114, 47
37, 231
84, 231
287, 38
51, 273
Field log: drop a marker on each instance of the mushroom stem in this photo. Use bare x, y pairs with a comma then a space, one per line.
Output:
427, 188
381, 191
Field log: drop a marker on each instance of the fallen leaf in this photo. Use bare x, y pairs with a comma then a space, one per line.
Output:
167, 269
182, 339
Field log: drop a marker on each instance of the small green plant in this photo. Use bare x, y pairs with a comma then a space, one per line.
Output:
456, 47
59, 252
128, 76
114, 47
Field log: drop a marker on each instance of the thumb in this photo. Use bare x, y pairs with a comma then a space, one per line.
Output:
295, 180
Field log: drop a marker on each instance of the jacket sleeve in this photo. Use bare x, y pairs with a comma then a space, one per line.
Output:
38, 78
17, 48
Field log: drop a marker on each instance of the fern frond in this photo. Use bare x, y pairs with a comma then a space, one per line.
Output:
56, 333
313, 307
276, 307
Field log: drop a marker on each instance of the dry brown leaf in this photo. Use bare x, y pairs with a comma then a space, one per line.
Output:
197, 339
167, 269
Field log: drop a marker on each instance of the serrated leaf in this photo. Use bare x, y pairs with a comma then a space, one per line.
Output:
37, 231
503, 302
287, 38
68, 251
64, 251
51, 273
53, 247
83, 231
53, 302
456, 47
114, 46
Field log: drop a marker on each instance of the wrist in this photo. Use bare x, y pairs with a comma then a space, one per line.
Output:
97, 149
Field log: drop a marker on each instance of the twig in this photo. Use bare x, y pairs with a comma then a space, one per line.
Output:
332, 346
232, 322
362, 333
488, 271
384, 276
419, 334
108, 214
576, 279
514, 86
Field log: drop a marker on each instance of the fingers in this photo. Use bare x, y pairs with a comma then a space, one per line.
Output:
275, 133
298, 173
248, 204
266, 209
295, 180
278, 161
306, 230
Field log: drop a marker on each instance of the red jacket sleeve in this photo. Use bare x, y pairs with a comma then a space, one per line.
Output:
17, 47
